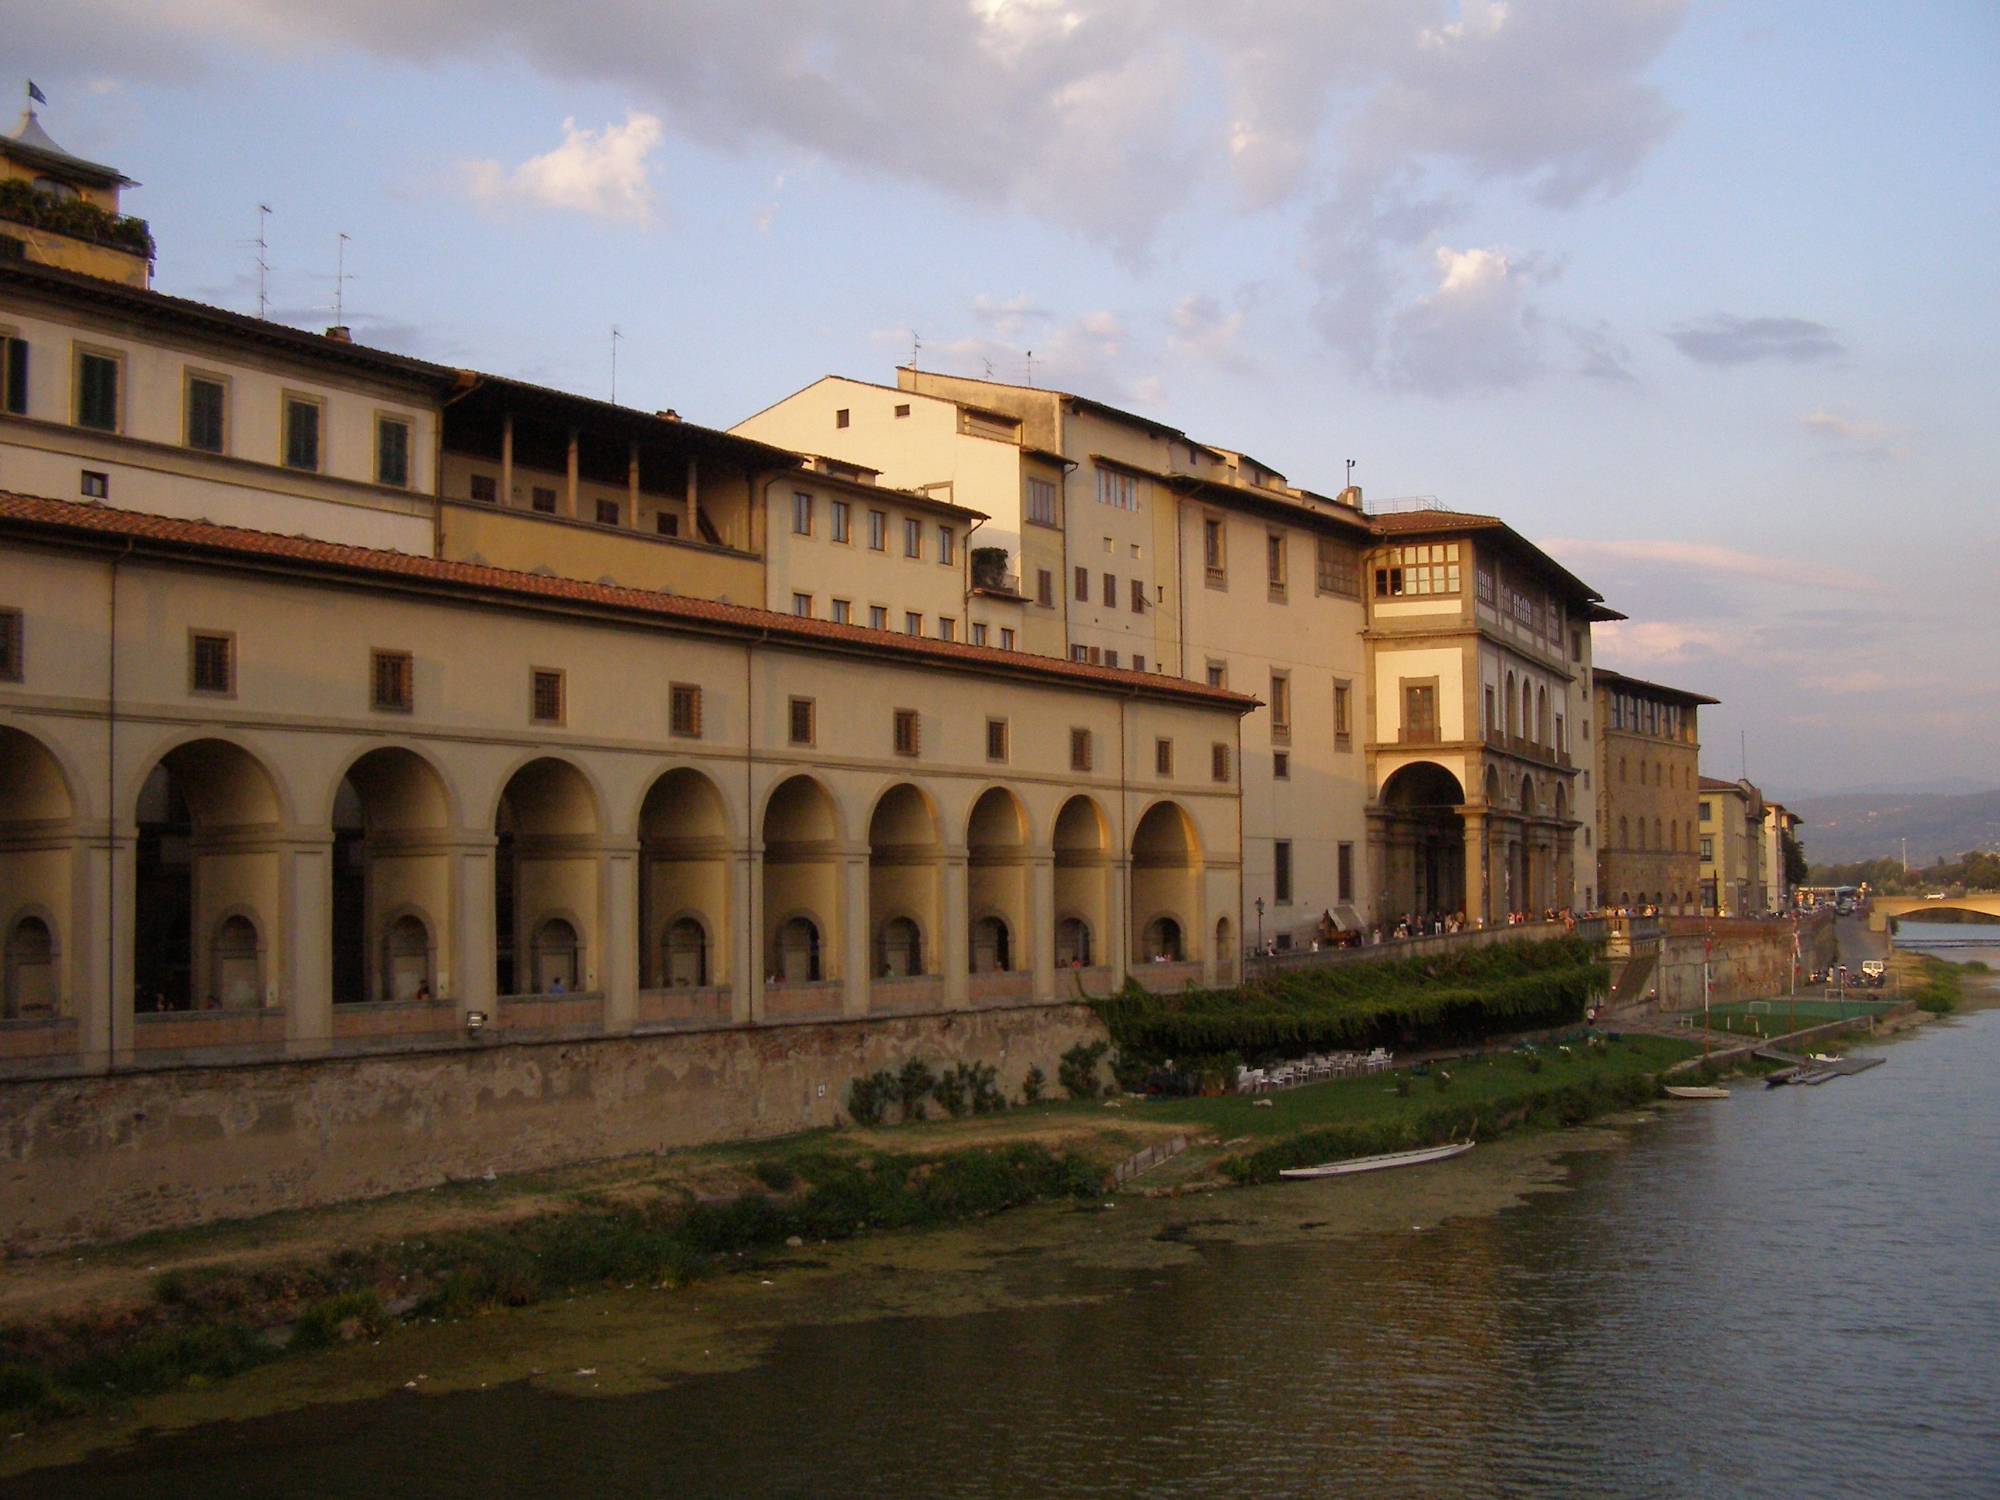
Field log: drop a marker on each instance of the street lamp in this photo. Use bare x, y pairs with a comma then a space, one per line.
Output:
1260, 924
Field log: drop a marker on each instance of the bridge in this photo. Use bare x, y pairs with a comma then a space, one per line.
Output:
1882, 908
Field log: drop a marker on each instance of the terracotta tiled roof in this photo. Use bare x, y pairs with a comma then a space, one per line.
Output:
1395, 522
1605, 677
27, 513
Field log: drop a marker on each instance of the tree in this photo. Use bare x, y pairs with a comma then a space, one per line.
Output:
1796, 869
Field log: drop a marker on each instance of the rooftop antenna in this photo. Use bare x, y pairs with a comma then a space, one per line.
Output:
615, 337
1350, 473
916, 343
1743, 751
263, 262
1031, 367
340, 280
989, 367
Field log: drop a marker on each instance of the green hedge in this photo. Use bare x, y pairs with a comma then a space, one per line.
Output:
1406, 1003
22, 203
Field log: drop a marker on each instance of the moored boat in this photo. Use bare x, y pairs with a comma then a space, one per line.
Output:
1378, 1163
1695, 1091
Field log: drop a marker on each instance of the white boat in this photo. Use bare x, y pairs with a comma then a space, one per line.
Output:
1378, 1163
1695, 1091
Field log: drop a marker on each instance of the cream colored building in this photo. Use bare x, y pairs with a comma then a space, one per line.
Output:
1781, 824
268, 793
1648, 764
60, 210
1730, 823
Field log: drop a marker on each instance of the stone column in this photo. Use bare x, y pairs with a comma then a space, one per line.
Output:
955, 954
746, 966
1119, 919
1378, 868
305, 968
100, 997
618, 965
474, 939
1041, 934
1476, 908
857, 956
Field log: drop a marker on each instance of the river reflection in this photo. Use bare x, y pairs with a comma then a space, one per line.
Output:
1790, 1293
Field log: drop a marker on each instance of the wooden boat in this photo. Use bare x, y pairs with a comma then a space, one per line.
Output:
1695, 1091
1379, 1163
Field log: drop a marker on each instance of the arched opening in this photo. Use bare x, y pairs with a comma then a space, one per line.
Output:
899, 949
38, 855
1541, 716
798, 951
1163, 940
996, 849
30, 988
391, 820
1513, 719
1166, 875
556, 955
992, 948
1225, 951
207, 862
685, 954
545, 863
1083, 882
1073, 943
236, 966
801, 881
1527, 710
406, 960
905, 881
1423, 843
683, 876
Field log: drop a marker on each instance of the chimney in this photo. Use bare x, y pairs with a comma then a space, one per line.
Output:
1351, 497
341, 334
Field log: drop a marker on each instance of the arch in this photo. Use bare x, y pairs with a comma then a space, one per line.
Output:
1624, 833
407, 959
545, 869
1659, 839
1528, 802
1163, 940
684, 839
1423, 785
391, 815
996, 886
1225, 951
801, 835
905, 879
558, 954
798, 951
236, 963
1083, 876
1073, 943
34, 786
1491, 786
1562, 803
684, 953
209, 815
1421, 835
1166, 875
30, 987
1541, 716
1513, 718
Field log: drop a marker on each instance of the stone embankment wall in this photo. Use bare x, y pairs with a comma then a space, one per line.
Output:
85, 1159
1748, 958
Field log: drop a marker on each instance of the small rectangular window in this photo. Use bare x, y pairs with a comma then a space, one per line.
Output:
838, 512
1281, 707
666, 523
394, 682
1110, 591
802, 721
1420, 721
1281, 870
1083, 585
212, 662
878, 530
1006, 638
1218, 674
947, 628
484, 488
902, 408
978, 633
1110, 658
14, 376
1045, 588
1121, 491
840, 417
1218, 762
1344, 872
802, 605
906, 731
1274, 563
1339, 568
207, 402
1041, 502
302, 425
543, 499
684, 710
97, 391
840, 611
947, 545
1281, 765
1138, 592
802, 514
1343, 716
878, 617
608, 512
392, 457
913, 537
1138, 662
913, 623
12, 643
1079, 749
94, 484
1212, 548
1163, 757
545, 696
996, 739
1079, 653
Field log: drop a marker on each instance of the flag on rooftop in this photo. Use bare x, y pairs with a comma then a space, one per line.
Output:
36, 94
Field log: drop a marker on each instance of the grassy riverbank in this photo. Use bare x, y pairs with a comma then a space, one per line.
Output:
178, 1311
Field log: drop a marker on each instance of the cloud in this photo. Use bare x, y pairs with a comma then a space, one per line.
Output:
1605, 356
1662, 642
1203, 332
1477, 329
1725, 339
1707, 558
1106, 117
602, 173
1009, 319
1872, 436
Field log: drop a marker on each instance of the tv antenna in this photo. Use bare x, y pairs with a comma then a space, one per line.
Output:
1350, 473
989, 367
916, 344
1031, 367
263, 259
615, 337
340, 280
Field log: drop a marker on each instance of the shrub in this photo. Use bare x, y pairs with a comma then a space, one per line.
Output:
778, 1176
339, 1319
1077, 1072
913, 1086
22, 203
1033, 1082
950, 1090
983, 1088
869, 1095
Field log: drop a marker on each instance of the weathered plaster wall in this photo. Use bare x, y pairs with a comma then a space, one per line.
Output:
101, 1158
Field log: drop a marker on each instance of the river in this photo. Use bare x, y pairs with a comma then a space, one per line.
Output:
1792, 1292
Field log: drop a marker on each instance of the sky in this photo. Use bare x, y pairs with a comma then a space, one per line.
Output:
1701, 297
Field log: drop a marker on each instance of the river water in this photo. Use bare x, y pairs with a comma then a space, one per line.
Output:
1792, 1292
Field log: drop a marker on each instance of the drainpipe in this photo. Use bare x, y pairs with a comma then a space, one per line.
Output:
111, 824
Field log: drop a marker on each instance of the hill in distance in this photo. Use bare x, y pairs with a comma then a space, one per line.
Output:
1854, 826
